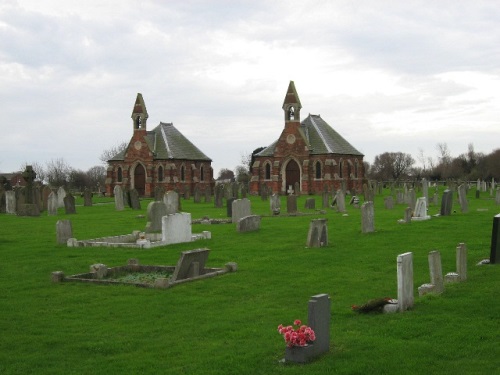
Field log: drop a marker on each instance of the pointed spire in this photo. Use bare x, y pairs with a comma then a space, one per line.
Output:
291, 104
139, 113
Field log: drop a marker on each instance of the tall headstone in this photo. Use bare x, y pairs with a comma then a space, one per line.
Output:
171, 200
87, 197
229, 207
241, 208
462, 198
497, 197
118, 193
291, 204
405, 281
176, 228
436, 271
156, 210
275, 204
159, 193
412, 199
340, 200
10, 202
425, 190
2, 200
135, 203
495, 240
297, 188
318, 233
208, 194
61, 193
219, 194
64, 231
462, 261
367, 218
52, 204
197, 194
45, 197
446, 203
69, 204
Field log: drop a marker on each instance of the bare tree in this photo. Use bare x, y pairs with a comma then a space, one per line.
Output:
112, 152
96, 176
392, 165
57, 172
226, 174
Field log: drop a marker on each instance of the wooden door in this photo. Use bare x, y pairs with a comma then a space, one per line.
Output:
140, 179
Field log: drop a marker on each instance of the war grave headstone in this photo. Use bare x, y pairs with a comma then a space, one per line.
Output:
495, 240
318, 233
61, 193
248, 223
367, 218
461, 265
389, 202
319, 315
240, 208
176, 228
52, 204
64, 231
69, 204
340, 201
291, 204
171, 200
405, 281
420, 212
446, 203
87, 198
436, 284
118, 193
10, 202
310, 203
462, 198
156, 210
275, 204
135, 202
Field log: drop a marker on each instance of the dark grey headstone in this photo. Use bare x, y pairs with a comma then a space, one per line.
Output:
64, 231
229, 207
69, 204
248, 223
318, 233
135, 203
190, 264
310, 203
291, 204
495, 239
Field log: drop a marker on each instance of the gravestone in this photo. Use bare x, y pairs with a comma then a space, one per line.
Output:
171, 200
69, 204
190, 264
310, 203
420, 212
367, 218
87, 198
425, 190
291, 204
462, 198
495, 240
497, 197
118, 193
176, 228
235, 189
229, 207
159, 193
135, 203
325, 198
462, 261
52, 204
208, 194
389, 202
187, 192
318, 233
297, 188
219, 194
264, 193
319, 314
240, 208
197, 194
436, 275
446, 203
275, 204
10, 202
28, 201
248, 223
435, 199
340, 200
405, 281
412, 199
408, 215
61, 193
2, 200
64, 231
399, 197
156, 210
45, 197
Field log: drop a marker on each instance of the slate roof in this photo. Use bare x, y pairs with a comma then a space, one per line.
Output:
321, 138
167, 143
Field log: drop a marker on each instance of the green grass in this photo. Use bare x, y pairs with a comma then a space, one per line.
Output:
228, 324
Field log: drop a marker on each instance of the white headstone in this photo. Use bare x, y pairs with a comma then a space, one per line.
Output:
61, 193
405, 281
10, 202
420, 212
240, 209
176, 228
171, 199
367, 218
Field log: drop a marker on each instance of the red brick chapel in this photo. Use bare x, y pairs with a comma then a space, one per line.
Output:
308, 154
161, 157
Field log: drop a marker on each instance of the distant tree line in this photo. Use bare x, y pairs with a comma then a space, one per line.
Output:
468, 166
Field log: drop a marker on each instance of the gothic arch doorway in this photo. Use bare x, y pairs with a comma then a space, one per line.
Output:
292, 175
140, 179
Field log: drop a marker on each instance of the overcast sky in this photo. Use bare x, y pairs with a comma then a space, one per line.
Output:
387, 75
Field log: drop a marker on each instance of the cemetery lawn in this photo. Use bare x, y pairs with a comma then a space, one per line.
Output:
228, 324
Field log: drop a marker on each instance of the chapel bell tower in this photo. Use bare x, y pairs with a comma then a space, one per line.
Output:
139, 114
291, 105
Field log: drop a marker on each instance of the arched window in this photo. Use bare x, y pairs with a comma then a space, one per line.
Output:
318, 169
183, 173
341, 167
119, 175
160, 174
291, 113
202, 173
268, 171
